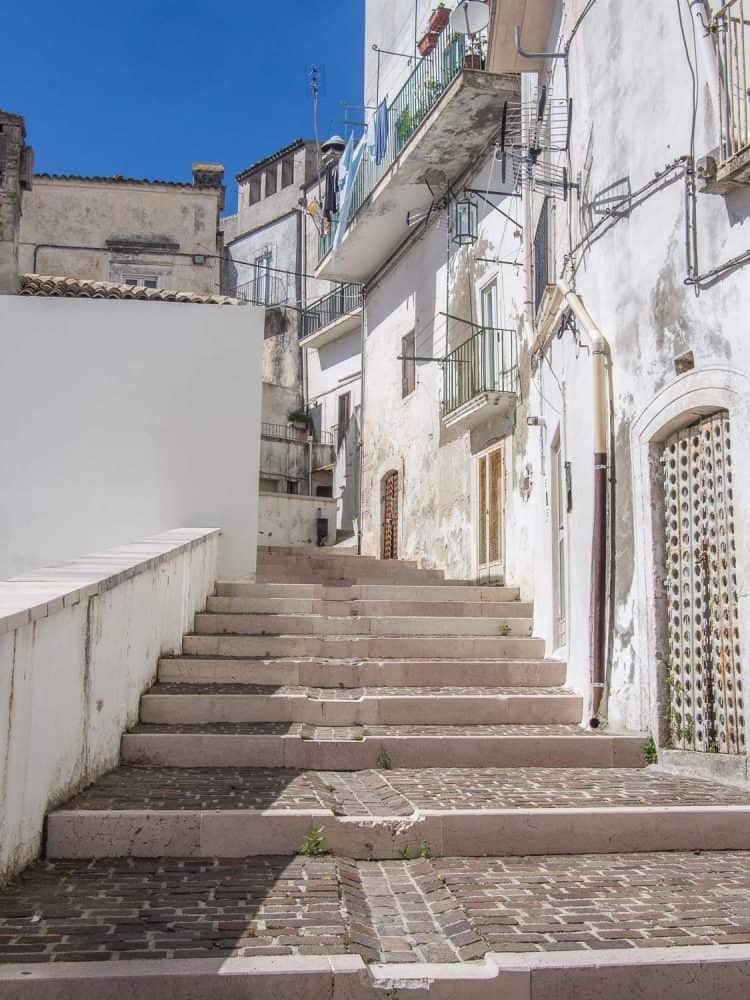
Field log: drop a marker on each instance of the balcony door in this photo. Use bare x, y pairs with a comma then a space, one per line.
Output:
490, 561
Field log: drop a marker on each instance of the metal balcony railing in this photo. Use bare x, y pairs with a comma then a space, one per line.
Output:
730, 27
340, 302
284, 432
263, 290
542, 250
487, 362
408, 110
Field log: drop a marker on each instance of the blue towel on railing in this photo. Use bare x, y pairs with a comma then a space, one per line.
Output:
381, 132
348, 167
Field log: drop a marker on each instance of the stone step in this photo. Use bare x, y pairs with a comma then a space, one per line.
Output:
383, 609
291, 745
367, 673
363, 647
322, 927
215, 623
332, 579
367, 592
168, 704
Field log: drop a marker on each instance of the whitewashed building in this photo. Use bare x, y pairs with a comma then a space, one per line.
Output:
554, 400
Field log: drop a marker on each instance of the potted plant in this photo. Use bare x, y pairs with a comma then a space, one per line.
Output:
427, 43
474, 58
405, 125
439, 17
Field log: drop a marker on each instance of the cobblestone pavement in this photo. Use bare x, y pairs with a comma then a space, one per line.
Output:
353, 694
396, 792
450, 909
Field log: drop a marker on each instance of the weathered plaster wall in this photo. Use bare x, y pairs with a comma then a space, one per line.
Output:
77, 212
128, 417
78, 645
271, 206
632, 115
280, 239
284, 519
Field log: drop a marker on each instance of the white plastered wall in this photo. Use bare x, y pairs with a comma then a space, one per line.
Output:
123, 419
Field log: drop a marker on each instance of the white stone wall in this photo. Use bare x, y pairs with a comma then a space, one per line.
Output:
288, 519
79, 643
128, 417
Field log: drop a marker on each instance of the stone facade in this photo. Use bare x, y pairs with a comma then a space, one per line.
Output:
15, 177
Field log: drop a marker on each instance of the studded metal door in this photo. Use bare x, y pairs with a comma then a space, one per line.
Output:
706, 702
389, 506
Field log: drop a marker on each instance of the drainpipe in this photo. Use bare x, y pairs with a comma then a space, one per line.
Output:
601, 359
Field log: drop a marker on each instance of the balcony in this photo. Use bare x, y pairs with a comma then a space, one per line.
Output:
264, 290
331, 316
480, 379
438, 125
731, 34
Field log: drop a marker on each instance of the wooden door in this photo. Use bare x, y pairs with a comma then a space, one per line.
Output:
389, 525
704, 680
490, 490
345, 400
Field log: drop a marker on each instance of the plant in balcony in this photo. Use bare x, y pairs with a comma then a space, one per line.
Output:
439, 17
427, 42
474, 58
300, 419
405, 125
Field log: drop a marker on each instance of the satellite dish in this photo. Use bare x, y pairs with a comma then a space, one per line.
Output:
469, 17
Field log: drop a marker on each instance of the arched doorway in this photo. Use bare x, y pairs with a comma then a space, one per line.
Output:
389, 516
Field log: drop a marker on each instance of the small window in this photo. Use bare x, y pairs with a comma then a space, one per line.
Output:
287, 171
408, 366
271, 182
324, 491
141, 280
253, 189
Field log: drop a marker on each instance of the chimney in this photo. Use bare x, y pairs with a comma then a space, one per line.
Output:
16, 164
210, 175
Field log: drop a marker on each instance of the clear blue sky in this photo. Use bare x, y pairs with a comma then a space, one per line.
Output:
145, 87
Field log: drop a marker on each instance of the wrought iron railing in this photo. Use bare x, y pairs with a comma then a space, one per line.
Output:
340, 302
408, 110
542, 268
263, 290
487, 362
730, 27
285, 432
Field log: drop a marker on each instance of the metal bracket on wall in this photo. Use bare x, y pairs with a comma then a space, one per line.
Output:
535, 55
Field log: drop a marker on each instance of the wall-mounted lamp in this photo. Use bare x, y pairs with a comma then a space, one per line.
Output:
464, 215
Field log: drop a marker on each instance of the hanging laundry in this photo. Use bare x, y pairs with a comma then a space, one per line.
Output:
348, 168
381, 132
372, 122
330, 201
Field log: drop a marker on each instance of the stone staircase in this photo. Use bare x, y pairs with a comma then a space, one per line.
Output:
360, 758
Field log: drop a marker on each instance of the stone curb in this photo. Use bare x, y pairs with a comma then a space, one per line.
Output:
201, 749
664, 973
460, 833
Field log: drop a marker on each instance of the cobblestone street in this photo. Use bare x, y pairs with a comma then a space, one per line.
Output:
446, 910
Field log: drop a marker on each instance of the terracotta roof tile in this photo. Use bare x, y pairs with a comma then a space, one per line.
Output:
48, 286
114, 179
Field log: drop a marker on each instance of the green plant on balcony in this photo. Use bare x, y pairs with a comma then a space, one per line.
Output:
301, 418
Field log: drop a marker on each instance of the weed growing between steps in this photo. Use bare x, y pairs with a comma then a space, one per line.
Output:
383, 759
312, 842
650, 752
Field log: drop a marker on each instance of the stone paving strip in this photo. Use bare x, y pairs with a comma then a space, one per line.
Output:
447, 910
353, 694
396, 792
